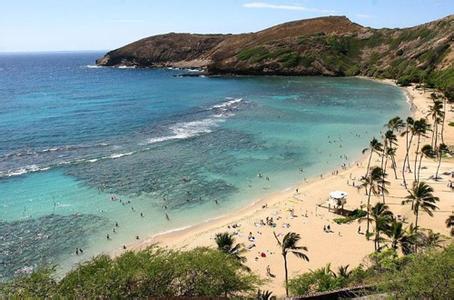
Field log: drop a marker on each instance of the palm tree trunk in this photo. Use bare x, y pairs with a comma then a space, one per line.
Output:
443, 122
286, 275
368, 211
368, 163
377, 238
438, 166
419, 167
416, 156
416, 219
433, 133
436, 134
406, 159
394, 165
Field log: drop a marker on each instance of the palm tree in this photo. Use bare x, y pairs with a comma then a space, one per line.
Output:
430, 240
437, 115
391, 152
343, 271
225, 242
373, 185
390, 140
450, 223
374, 146
395, 124
420, 128
443, 120
428, 152
421, 196
264, 295
400, 237
441, 150
289, 245
408, 131
381, 216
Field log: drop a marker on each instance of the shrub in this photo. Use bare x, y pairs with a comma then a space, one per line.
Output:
355, 214
426, 276
319, 280
289, 60
254, 54
153, 272
404, 81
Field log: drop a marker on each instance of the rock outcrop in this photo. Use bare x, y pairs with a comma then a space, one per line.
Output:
332, 46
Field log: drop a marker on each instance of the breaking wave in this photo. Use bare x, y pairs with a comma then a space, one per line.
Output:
185, 130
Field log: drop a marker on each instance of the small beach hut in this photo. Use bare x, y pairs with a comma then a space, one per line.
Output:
337, 199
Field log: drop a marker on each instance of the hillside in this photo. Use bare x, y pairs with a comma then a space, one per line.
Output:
331, 46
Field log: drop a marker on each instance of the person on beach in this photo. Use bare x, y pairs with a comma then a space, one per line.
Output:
77, 251
108, 236
167, 217
137, 237
116, 224
124, 247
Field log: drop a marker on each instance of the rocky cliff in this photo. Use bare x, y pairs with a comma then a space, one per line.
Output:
332, 46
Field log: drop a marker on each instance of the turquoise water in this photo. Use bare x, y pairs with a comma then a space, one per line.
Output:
83, 148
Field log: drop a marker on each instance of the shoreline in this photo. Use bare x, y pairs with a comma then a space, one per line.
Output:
298, 211
164, 236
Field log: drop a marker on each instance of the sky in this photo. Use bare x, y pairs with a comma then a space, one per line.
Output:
72, 25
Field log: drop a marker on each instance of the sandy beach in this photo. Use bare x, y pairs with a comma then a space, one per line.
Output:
297, 209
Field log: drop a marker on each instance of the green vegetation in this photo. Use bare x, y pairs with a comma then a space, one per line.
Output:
290, 59
154, 272
352, 216
254, 54
424, 275
443, 80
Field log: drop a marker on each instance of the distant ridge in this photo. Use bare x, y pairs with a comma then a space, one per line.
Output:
331, 46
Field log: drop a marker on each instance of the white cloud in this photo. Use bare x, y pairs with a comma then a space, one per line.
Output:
285, 7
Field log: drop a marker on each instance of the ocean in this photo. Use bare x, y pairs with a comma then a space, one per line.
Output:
86, 150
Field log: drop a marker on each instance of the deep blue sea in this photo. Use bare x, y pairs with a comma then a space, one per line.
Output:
83, 148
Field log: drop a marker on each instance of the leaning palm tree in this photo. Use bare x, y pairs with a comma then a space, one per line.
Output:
442, 149
408, 132
400, 237
391, 153
374, 146
428, 152
225, 242
381, 216
421, 197
373, 185
289, 245
389, 140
